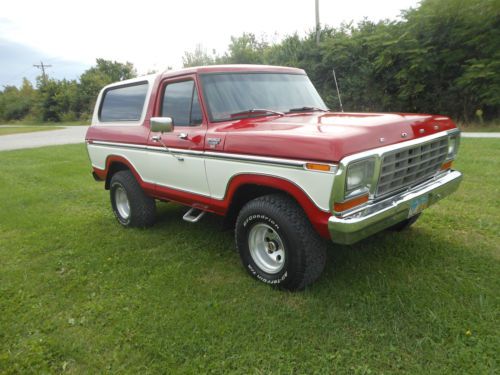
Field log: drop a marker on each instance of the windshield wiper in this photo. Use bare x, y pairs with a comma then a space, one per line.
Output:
256, 111
307, 109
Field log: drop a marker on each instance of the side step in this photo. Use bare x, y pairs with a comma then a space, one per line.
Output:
193, 215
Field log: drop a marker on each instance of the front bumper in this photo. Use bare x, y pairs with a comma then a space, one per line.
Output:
378, 216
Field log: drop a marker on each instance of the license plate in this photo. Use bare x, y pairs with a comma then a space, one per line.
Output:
418, 205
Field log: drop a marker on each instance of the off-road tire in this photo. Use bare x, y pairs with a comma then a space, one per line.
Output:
142, 208
305, 250
405, 224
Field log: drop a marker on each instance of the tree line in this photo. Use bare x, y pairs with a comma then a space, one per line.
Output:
442, 57
61, 100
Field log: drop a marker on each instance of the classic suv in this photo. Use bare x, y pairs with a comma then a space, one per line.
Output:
257, 145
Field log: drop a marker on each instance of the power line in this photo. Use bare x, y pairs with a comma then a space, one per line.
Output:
318, 27
42, 66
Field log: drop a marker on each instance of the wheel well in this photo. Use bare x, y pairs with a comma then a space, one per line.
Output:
113, 168
243, 195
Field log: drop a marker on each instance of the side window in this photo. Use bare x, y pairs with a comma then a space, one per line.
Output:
123, 103
180, 101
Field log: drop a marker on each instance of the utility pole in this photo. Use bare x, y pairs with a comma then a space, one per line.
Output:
317, 22
42, 66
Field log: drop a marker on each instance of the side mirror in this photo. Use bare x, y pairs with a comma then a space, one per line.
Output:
162, 124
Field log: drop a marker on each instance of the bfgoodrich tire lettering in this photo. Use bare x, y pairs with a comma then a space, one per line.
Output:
303, 251
131, 206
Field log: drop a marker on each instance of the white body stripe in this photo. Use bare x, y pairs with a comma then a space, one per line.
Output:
317, 185
210, 173
158, 167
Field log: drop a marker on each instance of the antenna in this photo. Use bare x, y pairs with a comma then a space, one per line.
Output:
338, 91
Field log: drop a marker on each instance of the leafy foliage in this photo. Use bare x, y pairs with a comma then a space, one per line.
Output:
443, 57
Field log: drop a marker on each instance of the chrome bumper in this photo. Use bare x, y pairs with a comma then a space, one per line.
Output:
378, 216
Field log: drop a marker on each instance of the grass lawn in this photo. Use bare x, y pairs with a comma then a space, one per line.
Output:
80, 294
26, 129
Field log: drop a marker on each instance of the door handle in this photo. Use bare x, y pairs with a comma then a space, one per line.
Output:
156, 138
183, 136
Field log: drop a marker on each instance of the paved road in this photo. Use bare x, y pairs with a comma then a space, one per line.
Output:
70, 134
76, 134
481, 135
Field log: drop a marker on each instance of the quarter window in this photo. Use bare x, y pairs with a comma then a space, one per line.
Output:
123, 103
180, 102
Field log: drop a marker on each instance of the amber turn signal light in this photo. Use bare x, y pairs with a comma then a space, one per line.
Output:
338, 207
446, 165
318, 167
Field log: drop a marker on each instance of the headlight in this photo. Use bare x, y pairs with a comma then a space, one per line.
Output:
452, 146
359, 177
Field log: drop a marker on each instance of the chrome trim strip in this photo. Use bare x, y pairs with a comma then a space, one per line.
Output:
381, 150
115, 144
299, 164
180, 151
255, 158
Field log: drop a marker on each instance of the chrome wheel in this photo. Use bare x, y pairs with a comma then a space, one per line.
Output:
266, 248
122, 203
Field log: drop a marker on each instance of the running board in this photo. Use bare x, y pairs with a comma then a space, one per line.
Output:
193, 215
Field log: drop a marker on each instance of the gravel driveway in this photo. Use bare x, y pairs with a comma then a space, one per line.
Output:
70, 134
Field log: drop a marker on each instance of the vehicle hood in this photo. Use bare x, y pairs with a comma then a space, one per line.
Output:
325, 136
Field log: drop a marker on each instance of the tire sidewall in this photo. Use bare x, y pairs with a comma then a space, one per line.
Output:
123, 221
285, 275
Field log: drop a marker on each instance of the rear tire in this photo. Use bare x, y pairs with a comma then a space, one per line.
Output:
277, 243
131, 206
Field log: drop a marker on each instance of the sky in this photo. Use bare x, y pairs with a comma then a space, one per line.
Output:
153, 35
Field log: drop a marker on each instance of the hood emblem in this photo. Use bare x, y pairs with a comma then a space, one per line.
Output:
404, 135
382, 140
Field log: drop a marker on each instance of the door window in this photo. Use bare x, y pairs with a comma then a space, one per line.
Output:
180, 102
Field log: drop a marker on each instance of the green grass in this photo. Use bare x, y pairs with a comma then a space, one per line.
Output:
79, 294
25, 129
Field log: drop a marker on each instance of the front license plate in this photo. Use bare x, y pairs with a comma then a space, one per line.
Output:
418, 205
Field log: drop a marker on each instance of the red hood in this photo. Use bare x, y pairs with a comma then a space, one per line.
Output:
326, 136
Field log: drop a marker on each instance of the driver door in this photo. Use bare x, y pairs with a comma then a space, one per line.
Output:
185, 170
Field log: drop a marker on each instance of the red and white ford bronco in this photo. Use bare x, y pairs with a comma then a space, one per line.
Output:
257, 145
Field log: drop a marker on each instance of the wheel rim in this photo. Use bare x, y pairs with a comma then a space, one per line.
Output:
121, 202
266, 248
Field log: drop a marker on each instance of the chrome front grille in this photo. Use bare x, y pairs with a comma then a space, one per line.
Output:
409, 166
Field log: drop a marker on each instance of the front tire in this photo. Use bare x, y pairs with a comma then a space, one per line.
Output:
277, 243
131, 206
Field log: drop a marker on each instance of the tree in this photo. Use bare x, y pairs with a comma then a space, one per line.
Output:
198, 57
15, 104
95, 78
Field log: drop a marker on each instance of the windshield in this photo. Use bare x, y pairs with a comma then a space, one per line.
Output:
236, 93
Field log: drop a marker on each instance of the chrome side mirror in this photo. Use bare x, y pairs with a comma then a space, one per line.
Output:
162, 124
